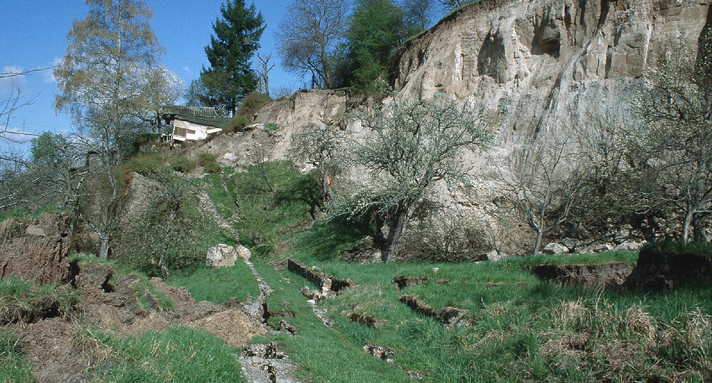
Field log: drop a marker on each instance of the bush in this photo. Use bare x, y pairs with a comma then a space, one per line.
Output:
209, 163
238, 123
183, 164
250, 105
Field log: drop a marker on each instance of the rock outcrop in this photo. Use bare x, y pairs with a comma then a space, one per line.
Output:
37, 250
541, 71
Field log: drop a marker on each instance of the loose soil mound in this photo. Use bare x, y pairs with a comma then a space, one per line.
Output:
605, 275
37, 250
659, 269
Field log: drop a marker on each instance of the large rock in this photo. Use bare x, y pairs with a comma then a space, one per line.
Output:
38, 250
555, 248
244, 253
221, 256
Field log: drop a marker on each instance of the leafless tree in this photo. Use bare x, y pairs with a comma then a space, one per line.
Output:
308, 37
409, 148
320, 146
541, 183
264, 69
675, 139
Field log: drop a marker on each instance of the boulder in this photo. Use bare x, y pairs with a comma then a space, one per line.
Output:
494, 255
243, 253
37, 251
221, 256
555, 248
35, 231
630, 246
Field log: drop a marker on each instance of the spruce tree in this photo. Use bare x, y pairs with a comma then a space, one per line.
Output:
230, 75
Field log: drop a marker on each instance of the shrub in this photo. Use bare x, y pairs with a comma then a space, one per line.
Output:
209, 163
183, 164
249, 105
238, 123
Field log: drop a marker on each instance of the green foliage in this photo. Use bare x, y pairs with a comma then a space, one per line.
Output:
375, 30
13, 366
249, 106
238, 123
176, 354
171, 234
183, 164
672, 246
48, 149
209, 163
522, 328
236, 39
218, 285
273, 200
19, 298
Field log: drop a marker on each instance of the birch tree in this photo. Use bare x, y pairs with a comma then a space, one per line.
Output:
101, 85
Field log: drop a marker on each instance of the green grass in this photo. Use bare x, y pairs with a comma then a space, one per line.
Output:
13, 366
173, 355
18, 297
517, 321
218, 285
275, 201
322, 354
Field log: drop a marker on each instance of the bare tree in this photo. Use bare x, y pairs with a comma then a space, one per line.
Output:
308, 37
409, 148
451, 5
675, 140
264, 69
541, 184
320, 146
101, 85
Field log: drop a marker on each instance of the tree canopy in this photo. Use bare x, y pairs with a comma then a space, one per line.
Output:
309, 35
230, 75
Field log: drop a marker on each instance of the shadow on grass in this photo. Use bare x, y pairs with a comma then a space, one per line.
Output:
326, 238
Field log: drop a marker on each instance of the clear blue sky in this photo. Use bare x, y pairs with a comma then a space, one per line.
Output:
33, 35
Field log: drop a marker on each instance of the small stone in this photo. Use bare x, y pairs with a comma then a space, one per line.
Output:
555, 248
35, 231
221, 256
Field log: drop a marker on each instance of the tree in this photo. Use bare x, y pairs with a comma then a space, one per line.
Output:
375, 31
410, 147
416, 15
230, 75
164, 88
675, 140
541, 184
308, 37
320, 146
265, 68
101, 83
452, 5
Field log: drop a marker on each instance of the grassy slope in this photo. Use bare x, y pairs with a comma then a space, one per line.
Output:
517, 318
523, 329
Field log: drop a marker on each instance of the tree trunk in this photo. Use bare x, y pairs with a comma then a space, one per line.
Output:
700, 231
105, 238
396, 234
686, 226
539, 231
537, 245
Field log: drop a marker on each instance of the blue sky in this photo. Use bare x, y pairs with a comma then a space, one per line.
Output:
33, 35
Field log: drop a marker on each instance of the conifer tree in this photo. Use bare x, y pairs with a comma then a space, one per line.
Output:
230, 75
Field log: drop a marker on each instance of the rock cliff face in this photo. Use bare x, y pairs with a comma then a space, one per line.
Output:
539, 69
543, 63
